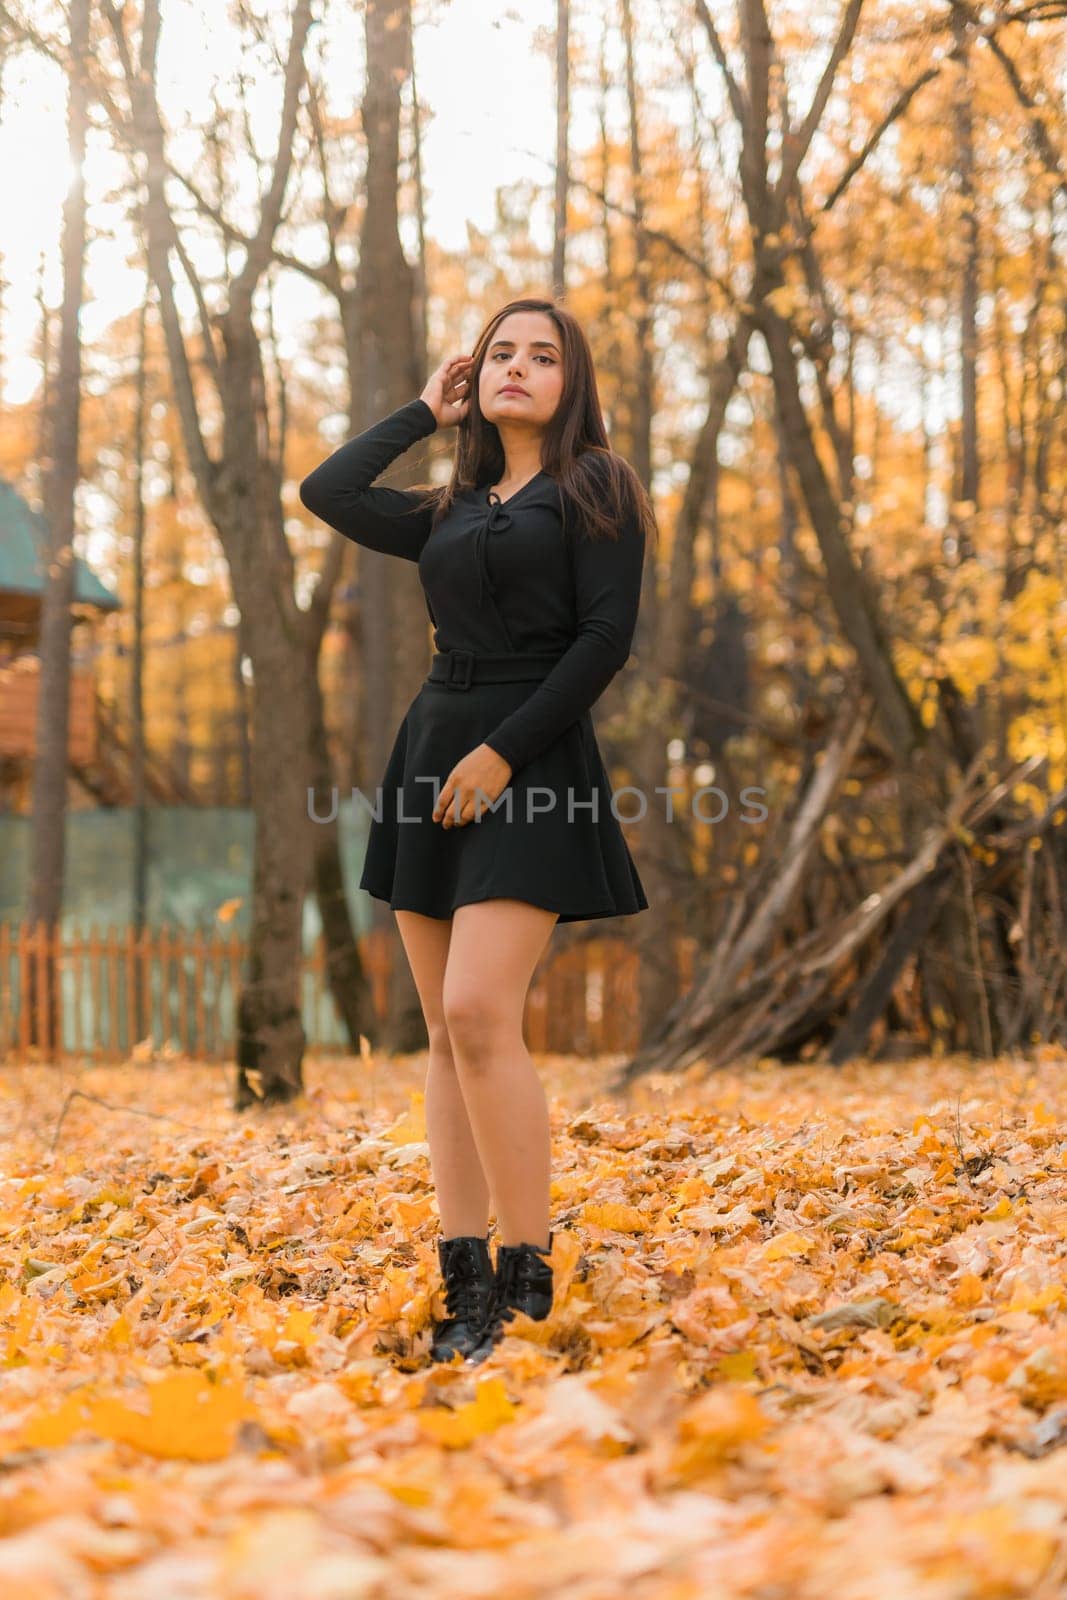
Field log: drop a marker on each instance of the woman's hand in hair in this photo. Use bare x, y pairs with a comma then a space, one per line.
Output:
448, 392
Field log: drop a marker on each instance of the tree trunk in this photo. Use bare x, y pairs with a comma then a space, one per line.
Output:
563, 107
387, 372
964, 120
664, 845
271, 1036
344, 967
270, 1031
241, 493
140, 798
60, 480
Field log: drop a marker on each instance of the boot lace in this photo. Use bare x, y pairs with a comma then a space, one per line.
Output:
514, 1275
498, 1308
463, 1299
465, 1287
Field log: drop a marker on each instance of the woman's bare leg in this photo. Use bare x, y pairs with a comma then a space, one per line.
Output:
462, 1191
493, 951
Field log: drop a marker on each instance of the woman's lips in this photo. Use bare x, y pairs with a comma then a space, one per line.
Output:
511, 389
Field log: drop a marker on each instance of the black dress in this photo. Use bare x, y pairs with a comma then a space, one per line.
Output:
532, 620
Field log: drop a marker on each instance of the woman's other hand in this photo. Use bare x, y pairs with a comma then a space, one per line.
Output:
482, 772
448, 391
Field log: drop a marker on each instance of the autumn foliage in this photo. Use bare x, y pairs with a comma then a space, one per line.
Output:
808, 1338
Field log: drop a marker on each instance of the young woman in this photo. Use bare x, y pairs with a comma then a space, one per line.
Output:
496, 818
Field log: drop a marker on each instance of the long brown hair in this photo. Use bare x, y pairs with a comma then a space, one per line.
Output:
602, 485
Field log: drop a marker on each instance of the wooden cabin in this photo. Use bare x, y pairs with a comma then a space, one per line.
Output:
23, 547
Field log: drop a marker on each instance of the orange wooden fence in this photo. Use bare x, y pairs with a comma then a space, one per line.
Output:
99, 993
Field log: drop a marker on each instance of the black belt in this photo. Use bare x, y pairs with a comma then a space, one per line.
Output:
458, 669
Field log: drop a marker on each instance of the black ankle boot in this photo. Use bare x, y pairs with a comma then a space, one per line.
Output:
468, 1275
523, 1283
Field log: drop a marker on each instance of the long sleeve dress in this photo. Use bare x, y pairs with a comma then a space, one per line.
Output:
532, 619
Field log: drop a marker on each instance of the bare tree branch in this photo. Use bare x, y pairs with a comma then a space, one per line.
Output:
259, 252
733, 88
1040, 133
162, 235
320, 274
795, 147
896, 110
335, 214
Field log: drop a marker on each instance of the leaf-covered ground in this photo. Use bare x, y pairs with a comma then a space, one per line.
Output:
809, 1340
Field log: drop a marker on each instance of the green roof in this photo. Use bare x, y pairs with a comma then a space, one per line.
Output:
23, 541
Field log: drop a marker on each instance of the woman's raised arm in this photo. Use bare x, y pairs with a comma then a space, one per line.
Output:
339, 490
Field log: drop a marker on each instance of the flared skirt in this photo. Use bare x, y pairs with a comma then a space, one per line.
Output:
551, 838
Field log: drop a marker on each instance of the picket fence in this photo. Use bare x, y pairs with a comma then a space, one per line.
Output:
117, 994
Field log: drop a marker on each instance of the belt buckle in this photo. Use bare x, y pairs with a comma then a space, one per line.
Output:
453, 680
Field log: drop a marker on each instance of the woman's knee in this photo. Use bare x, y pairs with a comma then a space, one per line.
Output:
475, 1020
440, 1039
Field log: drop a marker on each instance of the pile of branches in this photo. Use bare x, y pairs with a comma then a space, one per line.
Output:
766, 988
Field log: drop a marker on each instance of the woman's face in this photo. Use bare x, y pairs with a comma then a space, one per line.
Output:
524, 352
